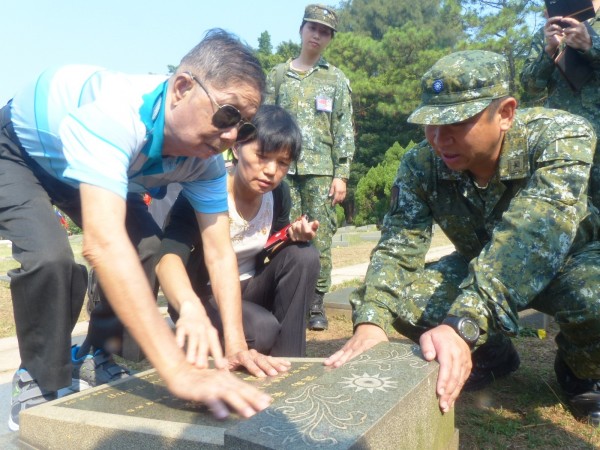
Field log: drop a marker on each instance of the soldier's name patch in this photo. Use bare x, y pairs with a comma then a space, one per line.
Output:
324, 104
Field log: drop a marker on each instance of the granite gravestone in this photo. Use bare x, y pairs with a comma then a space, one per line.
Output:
383, 399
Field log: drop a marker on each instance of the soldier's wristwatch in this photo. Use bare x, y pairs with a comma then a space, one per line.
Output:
465, 327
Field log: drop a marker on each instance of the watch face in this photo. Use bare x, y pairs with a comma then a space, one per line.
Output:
469, 329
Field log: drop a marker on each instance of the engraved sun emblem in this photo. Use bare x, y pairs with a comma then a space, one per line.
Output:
369, 383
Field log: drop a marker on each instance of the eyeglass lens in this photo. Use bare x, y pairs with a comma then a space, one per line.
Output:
246, 132
228, 116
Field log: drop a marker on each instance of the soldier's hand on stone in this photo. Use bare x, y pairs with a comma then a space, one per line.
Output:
365, 336
553, 34
219, 390
577, 35
337, 191
453, 354
195, 333
258, 364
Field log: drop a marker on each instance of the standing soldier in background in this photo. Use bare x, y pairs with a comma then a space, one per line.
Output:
541, 76
317, 94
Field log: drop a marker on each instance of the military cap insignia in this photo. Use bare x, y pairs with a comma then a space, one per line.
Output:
437, 86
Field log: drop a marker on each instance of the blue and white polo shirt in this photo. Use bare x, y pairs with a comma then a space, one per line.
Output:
86, 124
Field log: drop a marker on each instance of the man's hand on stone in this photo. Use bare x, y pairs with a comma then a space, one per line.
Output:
219, 390
454, 355
365, 336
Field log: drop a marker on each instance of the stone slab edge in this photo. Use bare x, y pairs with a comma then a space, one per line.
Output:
91, 429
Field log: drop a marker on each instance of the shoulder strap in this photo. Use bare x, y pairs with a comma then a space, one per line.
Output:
279, 74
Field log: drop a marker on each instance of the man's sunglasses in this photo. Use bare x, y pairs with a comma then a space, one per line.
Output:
228, 116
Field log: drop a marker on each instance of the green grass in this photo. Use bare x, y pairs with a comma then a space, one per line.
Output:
7, 327
7, 323
354, 238
354, 283
525, 410
7, 262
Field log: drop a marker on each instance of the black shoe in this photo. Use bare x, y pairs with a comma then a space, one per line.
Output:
317, 320
490, 362
94, 369
583, 394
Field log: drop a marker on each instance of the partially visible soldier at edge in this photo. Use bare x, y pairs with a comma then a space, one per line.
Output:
509, 189
317, 94
541, 77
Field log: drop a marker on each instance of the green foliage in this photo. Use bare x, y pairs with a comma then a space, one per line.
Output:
264, 53
72, 228
385, 46
503, 26
267, 58
287, 50
383, 91
372, 197
68, 224
340, 215
375, 18
264, 43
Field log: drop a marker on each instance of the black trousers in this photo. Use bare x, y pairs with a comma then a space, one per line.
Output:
49, 287
274, 302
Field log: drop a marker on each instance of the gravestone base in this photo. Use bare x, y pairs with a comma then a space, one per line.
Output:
383, 399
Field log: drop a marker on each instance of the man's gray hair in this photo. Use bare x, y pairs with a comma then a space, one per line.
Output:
223, 60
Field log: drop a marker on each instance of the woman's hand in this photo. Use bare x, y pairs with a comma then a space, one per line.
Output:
302, 230
258, 364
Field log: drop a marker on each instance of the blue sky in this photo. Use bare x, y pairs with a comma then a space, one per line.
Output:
134, 36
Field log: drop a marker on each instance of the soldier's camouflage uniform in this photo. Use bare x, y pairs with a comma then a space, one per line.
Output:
540, 77
528, 240
320, 101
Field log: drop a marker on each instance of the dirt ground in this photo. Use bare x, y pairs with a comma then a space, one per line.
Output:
360, 252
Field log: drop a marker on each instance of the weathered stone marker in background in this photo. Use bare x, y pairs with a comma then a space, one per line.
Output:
384, 399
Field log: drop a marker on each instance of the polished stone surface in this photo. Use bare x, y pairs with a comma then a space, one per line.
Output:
383, 399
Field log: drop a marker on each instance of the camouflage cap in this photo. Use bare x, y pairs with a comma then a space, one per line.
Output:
460, 86
321, 14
